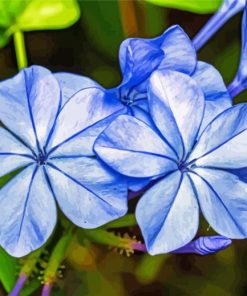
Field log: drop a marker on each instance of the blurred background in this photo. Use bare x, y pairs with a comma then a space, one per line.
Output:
90, 48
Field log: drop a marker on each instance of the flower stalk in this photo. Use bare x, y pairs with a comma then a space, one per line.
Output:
58, 255
19, 284
20, 49
228, 9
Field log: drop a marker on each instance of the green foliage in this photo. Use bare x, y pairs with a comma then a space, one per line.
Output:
29, 15
102, 22
30, 288
8, 270
197, 6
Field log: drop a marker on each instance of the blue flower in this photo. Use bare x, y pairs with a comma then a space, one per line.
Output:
239, 83
192, 171
139, 57
53, 145
228, 9
205, 245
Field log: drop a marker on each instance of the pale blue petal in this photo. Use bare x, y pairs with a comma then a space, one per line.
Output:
143, 115
224, 141
72, 83
217, 98
179, 51
222, 198
13, 154
142, 57
176, 105
82, 111
180, 54
82, 144
132, 148
28, 212
136, 184
29, 103
168, 214
88, 193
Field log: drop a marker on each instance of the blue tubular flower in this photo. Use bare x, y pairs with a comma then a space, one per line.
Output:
191, 172
228, 9
140, 57
54, 145
239, 83
205, 245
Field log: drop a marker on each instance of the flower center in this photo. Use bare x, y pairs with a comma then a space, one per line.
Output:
125, 97
41, 158
182, 166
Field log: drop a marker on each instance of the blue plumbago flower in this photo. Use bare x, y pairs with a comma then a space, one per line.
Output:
192, 171
228, 9
239, 83
139, 57
53, 144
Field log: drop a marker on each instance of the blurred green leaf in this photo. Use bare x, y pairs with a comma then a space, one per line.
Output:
29, 15
48, 14
125, 221
8, 268
102, 23
6, 178
30, 288
149, 267
197, 6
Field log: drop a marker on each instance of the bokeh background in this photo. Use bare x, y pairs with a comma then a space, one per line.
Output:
90, 48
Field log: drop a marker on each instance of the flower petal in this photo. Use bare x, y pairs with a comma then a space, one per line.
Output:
180, 54
132, 148
13, 154
223, 143
28, 212
176, 106
217, 98
168, 214
72, 83
88, 193
142, 57
222, 198
179, 51
82, 144
83, 110
29, 103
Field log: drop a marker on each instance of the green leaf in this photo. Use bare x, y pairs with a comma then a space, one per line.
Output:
30, 288
196, 6
6, 178
102, 23
48, 14
8, 269
31, 15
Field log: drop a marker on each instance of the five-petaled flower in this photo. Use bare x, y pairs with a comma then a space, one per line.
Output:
139, 57
52, 141
194, 167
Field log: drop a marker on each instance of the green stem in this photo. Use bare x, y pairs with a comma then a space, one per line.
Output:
20, 50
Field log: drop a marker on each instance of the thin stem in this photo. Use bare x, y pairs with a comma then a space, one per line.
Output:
46, 291
225, 12
20, 50
19, 285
